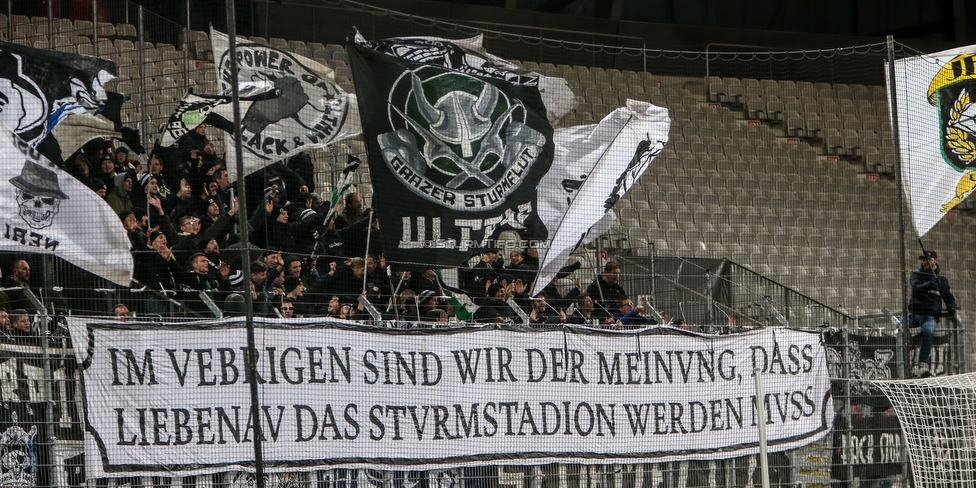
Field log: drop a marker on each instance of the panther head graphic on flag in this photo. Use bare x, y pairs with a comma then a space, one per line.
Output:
952, 92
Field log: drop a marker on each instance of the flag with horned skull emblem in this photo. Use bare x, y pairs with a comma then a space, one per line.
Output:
460, 141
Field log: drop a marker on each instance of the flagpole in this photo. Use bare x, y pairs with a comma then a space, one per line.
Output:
94, 14
252, 352
346, 177
369, 234
141, 40
50, 25
899, 184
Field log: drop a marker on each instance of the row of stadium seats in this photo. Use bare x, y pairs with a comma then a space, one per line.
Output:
734, 89
781, 191
34, 28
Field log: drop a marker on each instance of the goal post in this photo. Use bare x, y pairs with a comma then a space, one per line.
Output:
938, 420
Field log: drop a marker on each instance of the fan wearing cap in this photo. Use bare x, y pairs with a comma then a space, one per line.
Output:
260, 297
153, 187
430, 300
307, 218
495, 310
104, 170
294, 289
165, 278
80, 168
124, 161
929, 291
210, 216
133, 229
194, 144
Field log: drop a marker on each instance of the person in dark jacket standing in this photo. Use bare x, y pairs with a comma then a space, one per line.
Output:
606, 289
929, 290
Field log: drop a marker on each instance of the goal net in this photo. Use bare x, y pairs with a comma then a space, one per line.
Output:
937, 416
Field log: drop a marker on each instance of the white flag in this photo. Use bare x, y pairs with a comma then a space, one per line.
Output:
45, 210
311, 112
935, 95
594, 166
213, 110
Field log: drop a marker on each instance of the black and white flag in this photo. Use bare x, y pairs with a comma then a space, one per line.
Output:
216, 111
460, 140
595, 166
469, 56
47, 211
311, 111
57, 101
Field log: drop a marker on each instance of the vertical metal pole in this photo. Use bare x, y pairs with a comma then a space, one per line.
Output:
47, 396
709, 296
248, 305
186, 48
707, 64
10, 20
369, 235
899, 187
653, 254
143, 106
846, 361
599, 265
50, 24
95, 25
761, 414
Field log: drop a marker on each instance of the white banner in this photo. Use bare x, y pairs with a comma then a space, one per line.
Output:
45, 210
604, 160
937, 135
174, 398
311, 112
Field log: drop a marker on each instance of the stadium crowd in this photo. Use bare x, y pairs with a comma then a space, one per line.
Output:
181, 214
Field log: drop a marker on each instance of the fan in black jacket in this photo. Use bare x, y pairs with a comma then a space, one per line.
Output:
929, 291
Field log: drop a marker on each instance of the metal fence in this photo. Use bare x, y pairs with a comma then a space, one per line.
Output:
826, 253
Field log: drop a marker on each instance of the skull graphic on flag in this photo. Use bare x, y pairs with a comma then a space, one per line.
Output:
38, 195
462, 135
